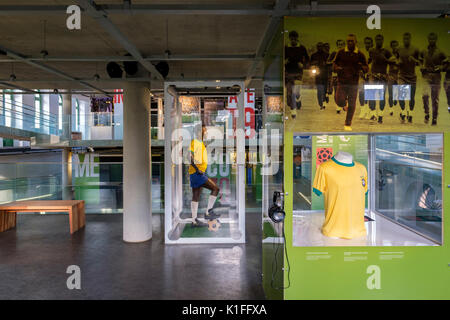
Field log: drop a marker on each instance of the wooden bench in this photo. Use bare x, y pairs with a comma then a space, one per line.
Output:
75, 208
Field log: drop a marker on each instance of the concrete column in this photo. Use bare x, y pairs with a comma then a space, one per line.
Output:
137, 214
66, 157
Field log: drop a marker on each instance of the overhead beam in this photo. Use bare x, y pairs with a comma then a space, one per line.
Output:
206, 57
402, 8
149, 9
120, 80
102, 18
11, 85
87, 80
21, 57
280, 7
40, 92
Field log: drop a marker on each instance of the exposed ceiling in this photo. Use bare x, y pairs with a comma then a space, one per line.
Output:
212, 39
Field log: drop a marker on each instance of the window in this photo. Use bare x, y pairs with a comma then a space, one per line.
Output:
60, 112
45, 110
408, 172
8, 108
2, 107
18, 110
77, 115
37, 111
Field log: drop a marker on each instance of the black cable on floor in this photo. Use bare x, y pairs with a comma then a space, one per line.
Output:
274, 261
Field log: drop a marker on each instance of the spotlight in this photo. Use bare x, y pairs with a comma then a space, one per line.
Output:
44, 53
96, 77
236, 88
55, 91
12, 77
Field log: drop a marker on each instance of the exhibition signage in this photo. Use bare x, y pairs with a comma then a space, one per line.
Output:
249, 105
86, 177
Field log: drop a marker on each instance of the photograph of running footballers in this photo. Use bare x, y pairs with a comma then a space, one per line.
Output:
350, 78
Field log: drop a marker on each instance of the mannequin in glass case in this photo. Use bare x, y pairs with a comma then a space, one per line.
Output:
343, 183
199, 179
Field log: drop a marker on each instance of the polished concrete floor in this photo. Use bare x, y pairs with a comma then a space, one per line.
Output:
34, 258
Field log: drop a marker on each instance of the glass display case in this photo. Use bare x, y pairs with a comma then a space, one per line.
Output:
404, 199
217, 106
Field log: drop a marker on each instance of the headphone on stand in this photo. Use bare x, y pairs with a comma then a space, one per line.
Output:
276, 212
277, 215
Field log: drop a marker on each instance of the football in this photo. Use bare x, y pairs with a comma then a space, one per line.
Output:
323, 154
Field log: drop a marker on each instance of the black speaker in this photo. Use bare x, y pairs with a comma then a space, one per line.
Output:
114, 70
131, 67
163, 68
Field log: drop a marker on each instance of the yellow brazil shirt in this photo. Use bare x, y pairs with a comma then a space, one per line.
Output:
344, 187
198, 150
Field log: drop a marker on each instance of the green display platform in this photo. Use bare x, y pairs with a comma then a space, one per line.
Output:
203, 232
268, 230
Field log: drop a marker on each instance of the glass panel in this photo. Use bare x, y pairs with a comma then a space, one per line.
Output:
221, 170
409, 181
210, 128
404, 182
302, 180
101, 187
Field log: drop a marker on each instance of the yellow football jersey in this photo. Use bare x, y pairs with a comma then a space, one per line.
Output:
344, 187
198, 149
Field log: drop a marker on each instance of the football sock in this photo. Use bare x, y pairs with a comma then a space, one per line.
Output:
211, 201
194, 209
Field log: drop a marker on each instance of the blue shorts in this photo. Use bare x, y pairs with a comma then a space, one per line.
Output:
198, 179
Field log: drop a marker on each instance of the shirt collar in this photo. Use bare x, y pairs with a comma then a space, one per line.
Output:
342, 163
356, 49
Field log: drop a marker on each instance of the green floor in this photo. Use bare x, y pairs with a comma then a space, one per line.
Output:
203, 232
